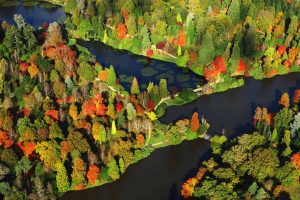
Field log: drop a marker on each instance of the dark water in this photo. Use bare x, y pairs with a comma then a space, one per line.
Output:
36, 15
160, 176
144, 69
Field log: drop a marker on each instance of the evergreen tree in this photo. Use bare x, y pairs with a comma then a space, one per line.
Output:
112, 77
146, 43
190, 30
207, 50
235, 58
234, 11
135, 86
163, 89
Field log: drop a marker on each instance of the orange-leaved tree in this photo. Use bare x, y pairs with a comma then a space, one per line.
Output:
121, 31
296, 160
195, 122
188, 187
93, 173
285, 100
181, 39
296, 97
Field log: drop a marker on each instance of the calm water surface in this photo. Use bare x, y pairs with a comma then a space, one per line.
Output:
160, 176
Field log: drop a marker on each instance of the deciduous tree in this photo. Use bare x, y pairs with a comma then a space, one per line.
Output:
93, 174
195, 122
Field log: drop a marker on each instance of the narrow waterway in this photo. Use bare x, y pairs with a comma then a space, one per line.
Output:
160, 176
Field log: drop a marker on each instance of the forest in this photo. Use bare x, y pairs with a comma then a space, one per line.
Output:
66, 123
264, 164
217, 39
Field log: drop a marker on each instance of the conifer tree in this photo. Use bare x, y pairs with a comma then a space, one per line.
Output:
135, 86
62, 181
112, 78
234, 11
163, 90
207, 50
235, 58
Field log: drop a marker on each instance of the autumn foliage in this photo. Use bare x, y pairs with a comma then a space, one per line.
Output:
220, 64
295, 159
281, 50
195, 122
181, 39
121, 31
5, 140
94, 107
119, 107
296, 97
215, 69
52, 113
285, 100
149, 53
103, 75
188, 187
93, 173
27, 147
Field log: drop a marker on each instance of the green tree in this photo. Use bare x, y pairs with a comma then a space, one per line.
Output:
287, 141
160, 27
55, 131
234, 11
235, 58
86, 72
49, 152
190, 29
207, 50
3, 68
70, 5
113, 170
163, 90
263, 163
216, 143
122, 165
112, 77
84, 28
293, 27
102, 134
105, 37
282, 119
23, 166
113, 128
146, 43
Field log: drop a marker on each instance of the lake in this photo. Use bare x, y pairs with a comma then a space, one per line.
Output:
159, 177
